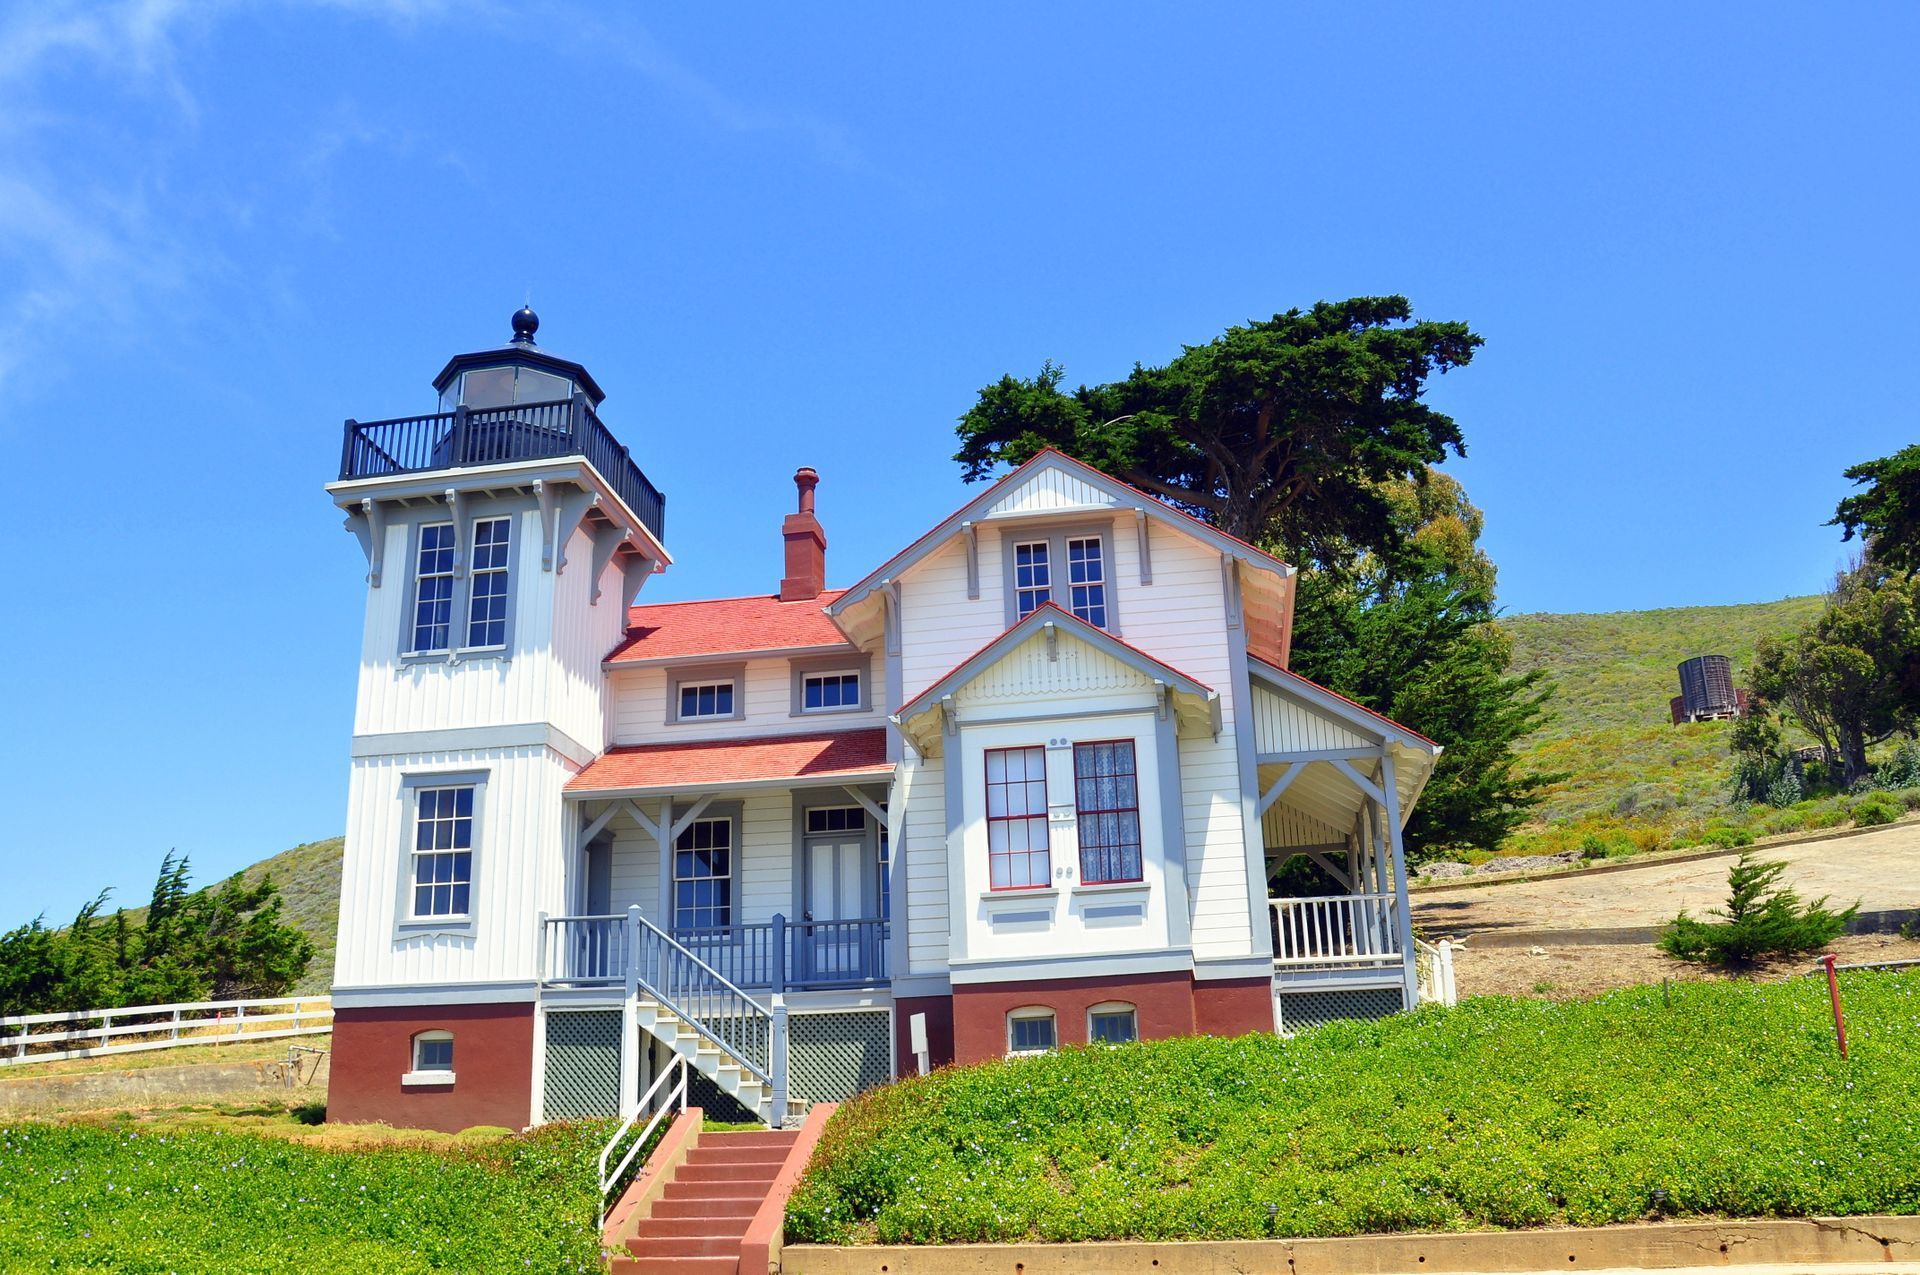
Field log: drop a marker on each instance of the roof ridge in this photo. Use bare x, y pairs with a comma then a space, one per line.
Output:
743, 597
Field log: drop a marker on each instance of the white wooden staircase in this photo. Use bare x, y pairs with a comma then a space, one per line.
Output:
708, 1055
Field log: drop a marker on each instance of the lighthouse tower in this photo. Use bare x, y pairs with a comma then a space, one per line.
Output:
505, 535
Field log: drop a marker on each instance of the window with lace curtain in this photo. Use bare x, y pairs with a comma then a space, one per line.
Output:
1106, 797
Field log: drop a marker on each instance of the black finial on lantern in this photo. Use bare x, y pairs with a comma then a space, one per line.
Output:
525, 324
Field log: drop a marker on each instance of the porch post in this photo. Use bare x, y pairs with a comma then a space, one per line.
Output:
1392, 795
779, 954
664, 834
630, 1018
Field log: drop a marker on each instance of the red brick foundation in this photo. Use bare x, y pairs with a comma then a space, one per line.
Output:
939, 1012
492, 1066
1233, 1006
1163, 1005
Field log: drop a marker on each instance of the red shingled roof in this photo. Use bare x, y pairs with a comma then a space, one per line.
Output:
726, 626
820, 755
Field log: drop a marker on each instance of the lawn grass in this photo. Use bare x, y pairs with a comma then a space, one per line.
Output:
1500, 1112
186, 1193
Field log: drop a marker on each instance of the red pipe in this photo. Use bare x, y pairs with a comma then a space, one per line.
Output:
1833, 993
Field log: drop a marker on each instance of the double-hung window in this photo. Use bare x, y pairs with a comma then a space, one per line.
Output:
703, 876
442, 851
1018, 854
705, 699
1087, 580
433, 588
830, 691
1032, 577
1106, 798
487, 602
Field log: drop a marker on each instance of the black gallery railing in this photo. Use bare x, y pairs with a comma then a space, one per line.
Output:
468, 437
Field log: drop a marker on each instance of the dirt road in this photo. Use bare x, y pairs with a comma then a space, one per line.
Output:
1578, 935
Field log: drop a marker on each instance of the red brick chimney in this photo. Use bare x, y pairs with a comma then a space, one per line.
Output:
806, 544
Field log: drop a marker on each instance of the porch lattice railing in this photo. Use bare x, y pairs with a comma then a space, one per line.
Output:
1337, 929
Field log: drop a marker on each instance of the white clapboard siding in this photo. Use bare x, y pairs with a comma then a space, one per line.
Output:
922, 857
640, 706
517, 868
1216, 847
940, 627
1284, 725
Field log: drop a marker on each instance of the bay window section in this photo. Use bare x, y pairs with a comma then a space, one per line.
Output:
1106, 795
1019, 856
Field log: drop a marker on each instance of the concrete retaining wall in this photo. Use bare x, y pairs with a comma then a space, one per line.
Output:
30, 1096
1655, 1246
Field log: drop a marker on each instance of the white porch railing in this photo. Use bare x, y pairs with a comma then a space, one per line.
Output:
131, 1028
1338, 929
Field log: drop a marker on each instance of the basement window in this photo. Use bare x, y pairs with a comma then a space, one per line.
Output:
1031, 1031
432, 1059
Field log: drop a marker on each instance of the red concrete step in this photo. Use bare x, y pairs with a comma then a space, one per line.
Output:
677, 1265
747, 1171
722, 1190
738, 1155
782, 1138
670, 1227
684, 1246
743, 1208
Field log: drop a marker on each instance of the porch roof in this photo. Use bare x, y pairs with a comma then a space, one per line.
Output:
736, 763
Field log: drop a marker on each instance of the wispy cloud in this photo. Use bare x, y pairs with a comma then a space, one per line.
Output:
98, 226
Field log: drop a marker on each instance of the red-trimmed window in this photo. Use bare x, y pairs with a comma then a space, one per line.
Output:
1018, 857
1106, 796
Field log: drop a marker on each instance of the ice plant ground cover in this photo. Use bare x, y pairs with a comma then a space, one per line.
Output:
149, 1198
1724, 1099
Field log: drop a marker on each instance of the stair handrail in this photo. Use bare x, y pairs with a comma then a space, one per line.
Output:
676, 1099
654, 956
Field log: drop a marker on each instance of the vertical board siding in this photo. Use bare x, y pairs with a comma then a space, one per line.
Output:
516, 853
1284, 826
551, 673
1283, 725
1076, 669
1049, 490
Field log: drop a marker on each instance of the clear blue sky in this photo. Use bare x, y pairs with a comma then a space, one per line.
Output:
807, 234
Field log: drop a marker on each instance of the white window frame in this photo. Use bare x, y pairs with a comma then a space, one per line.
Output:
1027, 1014
1110, 1009
1058, 539
731, 877
406, 924
1044, 591
694, 677
420, 577
423, 1074
859, 690
453, 851
505, 573
727, 684
1101, 558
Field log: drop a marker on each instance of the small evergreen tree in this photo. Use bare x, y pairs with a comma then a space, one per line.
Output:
1762, 918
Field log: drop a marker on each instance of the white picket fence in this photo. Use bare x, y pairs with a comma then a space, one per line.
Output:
32, 1038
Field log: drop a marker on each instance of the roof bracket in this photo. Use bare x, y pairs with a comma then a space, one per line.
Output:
607, 540
972, 533
1146, 545
1163, 699
369, 524
949, 720
457, 507
1230, 586
1053, 642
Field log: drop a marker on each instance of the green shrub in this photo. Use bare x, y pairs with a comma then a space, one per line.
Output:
153, 1200
1727, 837
1498, 1113
1762, 918
1783, 821
1901, 769
1875, 809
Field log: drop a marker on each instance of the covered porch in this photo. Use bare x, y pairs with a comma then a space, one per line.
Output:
768, 860
1336, 784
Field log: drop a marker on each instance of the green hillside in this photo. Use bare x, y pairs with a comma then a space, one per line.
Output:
1611, 732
